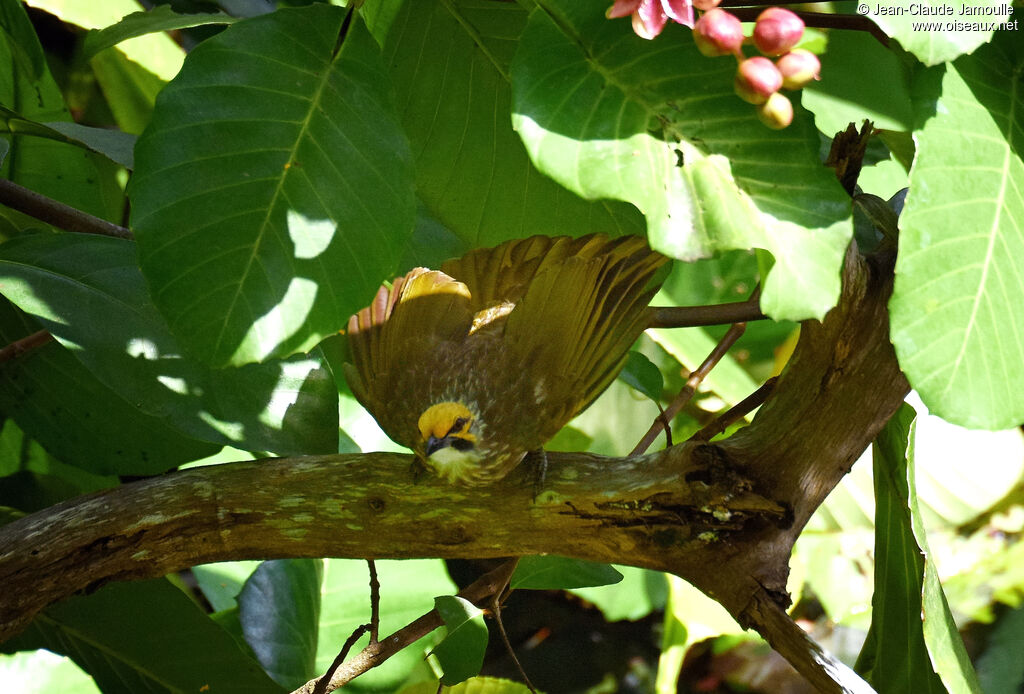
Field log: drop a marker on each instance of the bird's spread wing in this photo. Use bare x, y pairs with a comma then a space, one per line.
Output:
583, 310
397, 331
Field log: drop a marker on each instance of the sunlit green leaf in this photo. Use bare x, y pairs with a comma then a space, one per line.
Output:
641, 374
268, 216
957, 314
610, 115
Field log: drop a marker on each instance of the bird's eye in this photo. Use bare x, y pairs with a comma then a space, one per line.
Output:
458, 426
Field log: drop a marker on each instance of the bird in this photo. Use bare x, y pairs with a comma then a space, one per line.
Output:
477, 364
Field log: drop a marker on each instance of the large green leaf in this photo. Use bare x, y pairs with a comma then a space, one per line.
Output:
78, 419
610, 115
957, 309
913, 644
146, 636
273, 187
88, 291
934, 30
450, 63
279, 611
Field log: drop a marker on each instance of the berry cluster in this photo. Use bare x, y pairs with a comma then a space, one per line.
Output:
717, 32
758, 79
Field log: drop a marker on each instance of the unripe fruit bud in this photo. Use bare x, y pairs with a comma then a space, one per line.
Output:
777, 30
798, 68
756, 79
777, 112
705, 5
718, 32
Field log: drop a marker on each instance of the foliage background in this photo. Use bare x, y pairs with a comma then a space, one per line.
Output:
441, 126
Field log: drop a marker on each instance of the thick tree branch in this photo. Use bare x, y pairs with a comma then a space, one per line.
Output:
722, 515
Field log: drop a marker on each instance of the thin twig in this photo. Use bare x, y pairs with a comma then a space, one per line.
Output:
374, 654
714, 314
736, 412
25, 345
56, 213
496, 610
325, 681
374, 601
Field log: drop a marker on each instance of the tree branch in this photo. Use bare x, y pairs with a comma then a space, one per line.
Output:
56, 213
722, 515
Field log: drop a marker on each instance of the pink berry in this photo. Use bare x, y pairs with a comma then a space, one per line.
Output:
799, 68
777, 30
776, 112
705, 5
757, 78
718, 32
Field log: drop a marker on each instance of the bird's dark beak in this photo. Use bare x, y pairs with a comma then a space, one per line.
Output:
435, 444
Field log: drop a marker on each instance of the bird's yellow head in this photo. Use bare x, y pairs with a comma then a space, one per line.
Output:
449, 439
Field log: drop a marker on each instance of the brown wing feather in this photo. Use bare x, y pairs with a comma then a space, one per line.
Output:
597, 297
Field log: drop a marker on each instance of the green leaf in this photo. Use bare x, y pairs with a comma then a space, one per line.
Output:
112, 144
861, 79
461, 653
934, 30
80, 421
43, 672
146, 636
641, 374
268, 212
450, 64
610, 115
88, 292
956, 310
407, 591
279, 610
913, 644
640, 592
160, 18
550, 572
